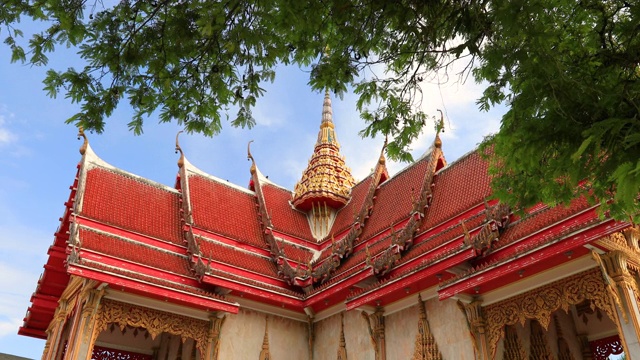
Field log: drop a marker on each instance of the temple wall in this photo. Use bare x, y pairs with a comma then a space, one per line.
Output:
356, 334
401, 331
242, 335
449, 328
287, 339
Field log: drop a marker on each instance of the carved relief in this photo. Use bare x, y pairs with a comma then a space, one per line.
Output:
264, 353
155, 321
564, 352
513, 349
214, 334
375, 325
425, 344
539, 347
538, 304
342, 347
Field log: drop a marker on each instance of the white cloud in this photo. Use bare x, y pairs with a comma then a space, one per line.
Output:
6, 136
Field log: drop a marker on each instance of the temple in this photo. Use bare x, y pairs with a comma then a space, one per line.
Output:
425, 264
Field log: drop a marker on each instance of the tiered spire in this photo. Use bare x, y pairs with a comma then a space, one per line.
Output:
327, 181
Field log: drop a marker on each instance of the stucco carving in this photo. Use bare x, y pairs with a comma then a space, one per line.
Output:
425, 344
540, 303
155, 321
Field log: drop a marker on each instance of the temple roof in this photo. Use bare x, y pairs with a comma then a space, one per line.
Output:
326, 180
432, 225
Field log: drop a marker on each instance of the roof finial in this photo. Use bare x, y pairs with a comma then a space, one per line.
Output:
439, 127
382, 160
327, 112
250, 158
179, 149
83, 147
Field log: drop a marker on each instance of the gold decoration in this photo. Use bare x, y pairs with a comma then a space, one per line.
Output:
538, 304
425, 344
179, 149
85, 143
253, 168
475, 322
564, 352
264, 354
155, 321
342, 348
612, 265
375, 326
539, 347
326, 177
214, 334
513, 349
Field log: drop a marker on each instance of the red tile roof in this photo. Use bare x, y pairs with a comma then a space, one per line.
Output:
124, 201
462, 185
135, 252
345, 217
540, 220
285, 218
295, 253
361, 255
224, 210
240, 259
394, 198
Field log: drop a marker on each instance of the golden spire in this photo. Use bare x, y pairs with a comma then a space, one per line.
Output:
327, 180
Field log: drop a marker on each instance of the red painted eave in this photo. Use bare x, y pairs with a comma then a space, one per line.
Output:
254, 293
155, 291
414, 280
537, 256
36, 333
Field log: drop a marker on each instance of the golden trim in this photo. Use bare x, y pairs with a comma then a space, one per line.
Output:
540, 303
513, 349
155, 321
264, 354
342, 347
426, 347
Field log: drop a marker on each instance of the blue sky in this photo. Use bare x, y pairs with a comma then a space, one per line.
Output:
39, 153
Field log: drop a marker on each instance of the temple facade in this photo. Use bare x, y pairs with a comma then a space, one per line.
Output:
425, 264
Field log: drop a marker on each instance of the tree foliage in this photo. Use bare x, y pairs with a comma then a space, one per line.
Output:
567, 70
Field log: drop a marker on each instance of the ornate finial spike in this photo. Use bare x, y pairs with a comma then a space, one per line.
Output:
83, 147
439, 127
382, 159
250, 157
264, 354
179, 149
327, 112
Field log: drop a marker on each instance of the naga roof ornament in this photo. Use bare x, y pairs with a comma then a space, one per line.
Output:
327, 181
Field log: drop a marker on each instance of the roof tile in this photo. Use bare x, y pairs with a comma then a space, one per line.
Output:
123, 201
224, 210
462, 185
284, 217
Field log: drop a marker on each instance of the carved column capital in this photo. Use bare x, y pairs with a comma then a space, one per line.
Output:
474, 314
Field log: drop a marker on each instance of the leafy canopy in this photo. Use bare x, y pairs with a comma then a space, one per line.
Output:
567, 70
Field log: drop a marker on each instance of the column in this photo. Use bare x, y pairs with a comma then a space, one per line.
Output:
80, 345
477, 325
216, 320
628, 311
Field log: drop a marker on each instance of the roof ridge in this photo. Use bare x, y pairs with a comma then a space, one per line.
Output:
92, 160
459, 160
190, 168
